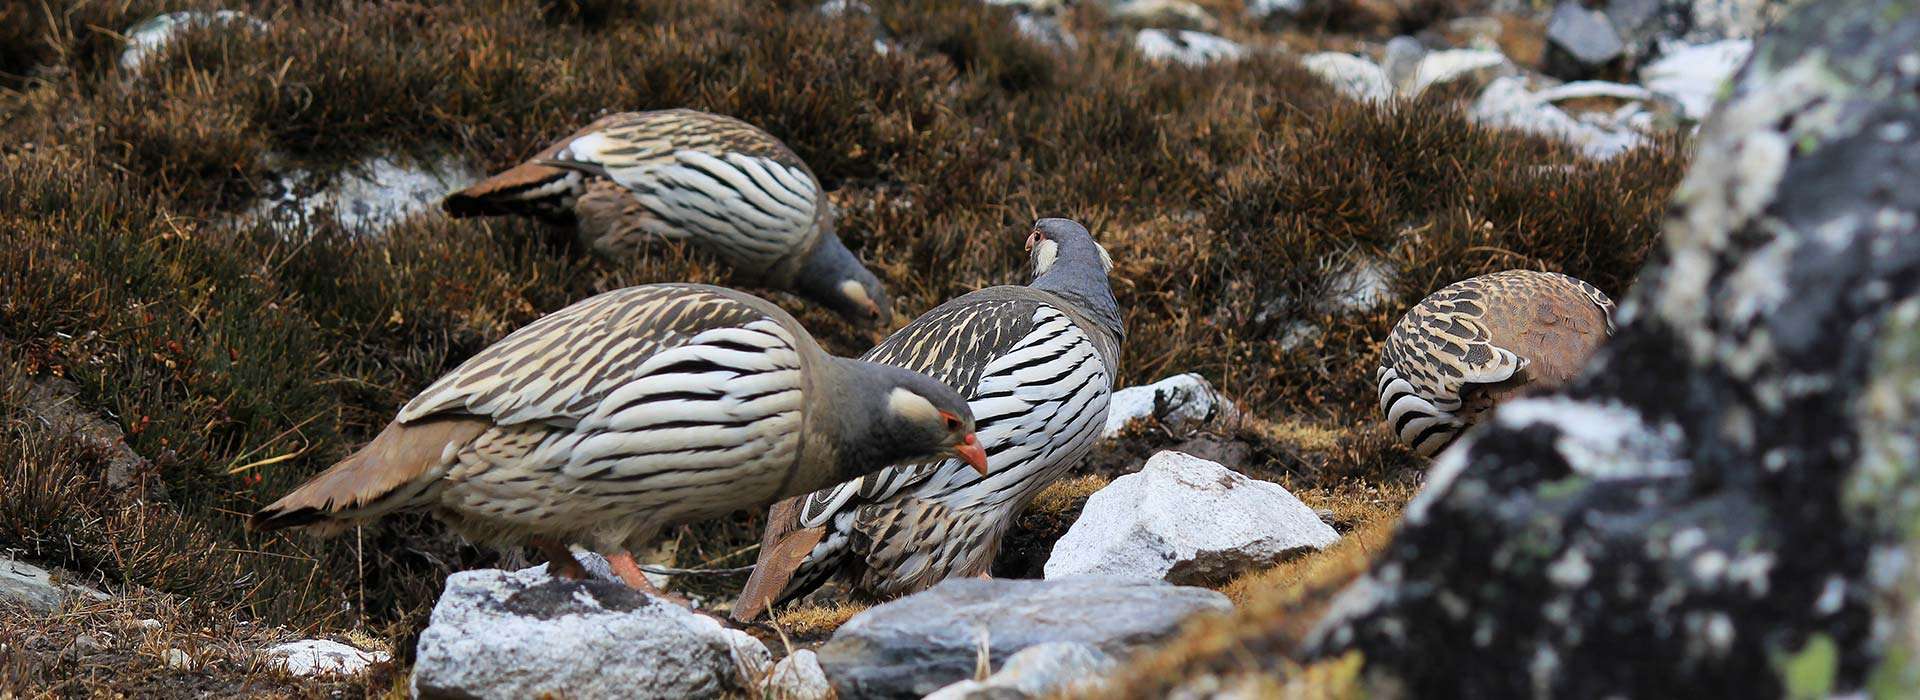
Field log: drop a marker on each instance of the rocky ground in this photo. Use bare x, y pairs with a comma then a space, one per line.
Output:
226, 268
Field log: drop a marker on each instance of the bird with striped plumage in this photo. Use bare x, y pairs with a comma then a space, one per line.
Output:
630, 411
1480, 341
1035, 362
715, 182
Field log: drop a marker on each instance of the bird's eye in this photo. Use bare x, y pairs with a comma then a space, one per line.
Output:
1033, 239
953, 422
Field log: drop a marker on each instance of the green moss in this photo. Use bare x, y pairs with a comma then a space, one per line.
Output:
1808, 674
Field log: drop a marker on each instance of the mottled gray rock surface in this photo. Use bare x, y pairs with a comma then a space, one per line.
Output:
798, 677
34, 588
1725, 503
1186, 520
1034, 673
928, 640
519, 634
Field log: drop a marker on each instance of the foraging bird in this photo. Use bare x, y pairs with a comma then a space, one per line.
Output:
1037, 364
649, 406
1480, 341
716, 182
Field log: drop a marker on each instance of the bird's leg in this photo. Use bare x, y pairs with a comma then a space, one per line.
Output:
629, 571
560, 561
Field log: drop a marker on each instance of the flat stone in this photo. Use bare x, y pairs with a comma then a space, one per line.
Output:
1694, 75
1164, 14
1035, 672
1186, 520
921, 643
316, 657
367, 197
150, 35
501, 634
33, 587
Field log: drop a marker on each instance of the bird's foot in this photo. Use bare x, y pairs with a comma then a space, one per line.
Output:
560, 561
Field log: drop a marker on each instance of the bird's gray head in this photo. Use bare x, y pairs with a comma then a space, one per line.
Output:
891, 415
834, 278
1065, 260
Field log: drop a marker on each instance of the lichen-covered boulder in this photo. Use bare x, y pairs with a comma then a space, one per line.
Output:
1727, 502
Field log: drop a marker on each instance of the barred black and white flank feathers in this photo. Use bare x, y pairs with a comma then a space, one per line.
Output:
678, 174
1036, 364
635, 409
1478, 341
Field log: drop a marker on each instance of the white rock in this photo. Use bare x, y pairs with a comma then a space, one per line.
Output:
1507, 103
1692, 75
146, 38
177, 659
1353, 76
1044, 29
1401, 61
1186, 46
1034, 672
367, 197
835, 8
798, 677
1179, 398
499, 634
312, 657
1274, 9
1164, 14
1185, 519
1361, 286
1440, 67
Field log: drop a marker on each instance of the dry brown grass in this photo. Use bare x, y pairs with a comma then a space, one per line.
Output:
1230, 197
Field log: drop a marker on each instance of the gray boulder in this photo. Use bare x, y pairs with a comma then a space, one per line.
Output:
501, 634
918, 644
1581, 42
1723, 504
1186, 520
1035, 672
32, 587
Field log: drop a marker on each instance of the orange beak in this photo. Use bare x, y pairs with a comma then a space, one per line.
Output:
969, 450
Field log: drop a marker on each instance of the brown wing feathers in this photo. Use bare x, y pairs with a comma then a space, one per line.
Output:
397, 457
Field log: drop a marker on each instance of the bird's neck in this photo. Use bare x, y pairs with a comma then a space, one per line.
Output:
1084, 284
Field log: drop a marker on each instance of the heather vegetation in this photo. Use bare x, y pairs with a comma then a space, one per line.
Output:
1240, 201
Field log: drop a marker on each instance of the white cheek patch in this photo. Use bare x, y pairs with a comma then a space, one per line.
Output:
911, 406
1044, 255
1106, 261
853, 290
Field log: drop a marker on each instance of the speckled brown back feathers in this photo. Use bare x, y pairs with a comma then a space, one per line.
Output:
1477, 341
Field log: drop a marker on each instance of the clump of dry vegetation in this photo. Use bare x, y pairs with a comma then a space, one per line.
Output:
240, 359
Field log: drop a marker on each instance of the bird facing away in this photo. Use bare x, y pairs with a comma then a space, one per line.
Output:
1479, 341
1037, 364
636, 409
716, 182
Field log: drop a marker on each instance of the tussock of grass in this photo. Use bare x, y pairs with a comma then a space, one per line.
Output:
812, 623
1228, 195
1273, 612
